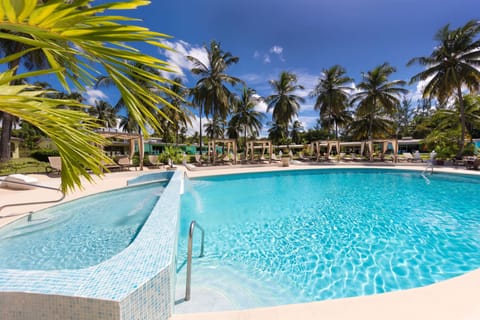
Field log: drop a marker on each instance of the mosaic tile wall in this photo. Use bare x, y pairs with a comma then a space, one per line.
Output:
138, 283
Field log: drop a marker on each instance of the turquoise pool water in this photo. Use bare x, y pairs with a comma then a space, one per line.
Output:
299, 236
80, 233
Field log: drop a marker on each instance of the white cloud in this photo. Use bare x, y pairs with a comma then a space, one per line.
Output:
195, 127
177, 58
308, 121
91, 95
276, 49
267, 56
308, 81
418, 94
261, 106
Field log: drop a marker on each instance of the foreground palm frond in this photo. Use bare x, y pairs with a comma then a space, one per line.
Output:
71, 130
80, 41
76, 40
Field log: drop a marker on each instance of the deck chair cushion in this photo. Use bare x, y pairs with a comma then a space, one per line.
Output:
10, 182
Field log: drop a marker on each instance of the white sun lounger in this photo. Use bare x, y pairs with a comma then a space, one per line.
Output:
10, 182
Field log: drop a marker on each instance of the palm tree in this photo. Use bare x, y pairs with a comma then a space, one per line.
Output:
297, 128
105, 114
214, 129
403, 118
276, 133
284, 102
210, 93
137, 69
452, 66
31, 60
245, 115
178, 116
73, 41
380, 127
377, 97
445, 130
332, 97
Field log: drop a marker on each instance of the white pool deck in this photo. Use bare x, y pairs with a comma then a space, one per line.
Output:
457, 298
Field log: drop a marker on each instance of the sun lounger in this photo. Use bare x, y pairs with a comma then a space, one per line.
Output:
19, 182
55, 165
471, 163
154, 162
406, 156
357, 157
125, 163
274, 158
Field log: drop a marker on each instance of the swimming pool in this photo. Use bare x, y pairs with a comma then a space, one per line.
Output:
136, 282
291, 237
80, 233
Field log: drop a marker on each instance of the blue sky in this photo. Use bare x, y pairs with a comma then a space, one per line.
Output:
305, 36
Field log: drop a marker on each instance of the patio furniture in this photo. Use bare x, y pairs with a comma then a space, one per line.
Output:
55, 165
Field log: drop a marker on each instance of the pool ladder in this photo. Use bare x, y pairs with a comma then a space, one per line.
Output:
429, 166
193, 224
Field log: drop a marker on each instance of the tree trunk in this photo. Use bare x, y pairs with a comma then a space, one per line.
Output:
370, 129
5, 152
461, 143
201, 111
7, 122
336, 131
245, 137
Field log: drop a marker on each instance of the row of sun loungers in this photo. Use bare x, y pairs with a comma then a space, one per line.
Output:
55, 165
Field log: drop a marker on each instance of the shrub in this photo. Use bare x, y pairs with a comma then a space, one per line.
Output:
43, 154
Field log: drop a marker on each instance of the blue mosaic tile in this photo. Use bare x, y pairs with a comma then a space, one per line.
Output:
137, 283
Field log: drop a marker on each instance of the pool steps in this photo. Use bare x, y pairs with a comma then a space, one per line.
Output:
193, 224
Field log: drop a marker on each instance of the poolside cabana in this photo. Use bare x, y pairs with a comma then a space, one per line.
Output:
328, 145
132, 138
265, 145
407, 144
230, 144
352, 146
384, 147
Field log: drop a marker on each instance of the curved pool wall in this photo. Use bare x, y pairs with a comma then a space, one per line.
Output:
137, 283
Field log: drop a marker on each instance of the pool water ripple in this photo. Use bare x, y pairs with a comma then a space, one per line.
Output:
325, 235
80, 233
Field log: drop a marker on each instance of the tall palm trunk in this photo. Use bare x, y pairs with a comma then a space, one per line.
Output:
336, 131
7, 123
201, 111
461, 143
370, 129
245, 139
5, 152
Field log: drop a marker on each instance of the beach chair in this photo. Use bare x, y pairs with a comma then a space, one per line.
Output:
198, 160
417, 157
472, 163
124, 163
302, 157
346, 157
406, 156
356, 157
154, 162
55, 165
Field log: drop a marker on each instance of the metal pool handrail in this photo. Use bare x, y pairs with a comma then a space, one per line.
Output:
428, 166
193, 224
35, 202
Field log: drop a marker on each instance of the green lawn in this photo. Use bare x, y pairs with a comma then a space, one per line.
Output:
22, 165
